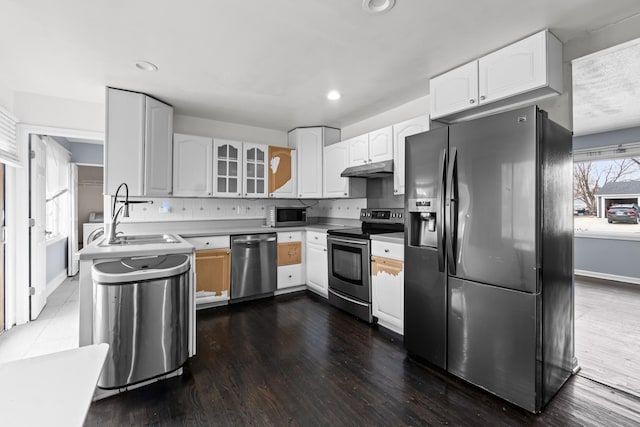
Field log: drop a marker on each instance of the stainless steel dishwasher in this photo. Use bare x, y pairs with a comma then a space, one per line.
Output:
253, 265
141, 310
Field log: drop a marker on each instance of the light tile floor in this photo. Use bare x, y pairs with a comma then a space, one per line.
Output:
56, 328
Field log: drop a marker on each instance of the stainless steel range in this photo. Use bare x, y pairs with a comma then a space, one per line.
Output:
349, 252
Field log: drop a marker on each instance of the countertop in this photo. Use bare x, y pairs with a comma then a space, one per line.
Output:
51, 390
389, 237
94, 251
262, 230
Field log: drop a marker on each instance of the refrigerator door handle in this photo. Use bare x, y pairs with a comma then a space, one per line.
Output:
452, 211
441, 213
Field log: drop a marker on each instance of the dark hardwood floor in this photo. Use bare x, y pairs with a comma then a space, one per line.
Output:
295, 360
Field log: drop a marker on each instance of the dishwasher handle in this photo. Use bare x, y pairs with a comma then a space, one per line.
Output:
249, 241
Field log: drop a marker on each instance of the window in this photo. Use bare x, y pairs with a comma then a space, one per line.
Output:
8, 148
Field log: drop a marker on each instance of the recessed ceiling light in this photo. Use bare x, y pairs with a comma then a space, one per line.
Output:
334, 95
146, 66
378, 6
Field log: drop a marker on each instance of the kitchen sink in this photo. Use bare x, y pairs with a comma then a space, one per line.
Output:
141, 239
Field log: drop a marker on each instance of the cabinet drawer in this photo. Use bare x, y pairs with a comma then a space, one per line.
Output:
387, 250
210, 242
317, 238
290, 275
289, 253
290, 236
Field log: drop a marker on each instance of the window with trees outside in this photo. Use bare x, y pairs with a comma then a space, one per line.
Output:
607, 192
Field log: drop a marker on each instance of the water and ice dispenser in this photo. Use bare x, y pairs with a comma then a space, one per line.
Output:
423, 222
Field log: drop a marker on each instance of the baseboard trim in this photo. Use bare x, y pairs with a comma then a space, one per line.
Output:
607, 276
53, 284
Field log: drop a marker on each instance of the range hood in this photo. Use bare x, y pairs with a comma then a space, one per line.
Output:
369, 170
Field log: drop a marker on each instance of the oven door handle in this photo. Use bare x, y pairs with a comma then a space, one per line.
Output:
349, 241
347, 298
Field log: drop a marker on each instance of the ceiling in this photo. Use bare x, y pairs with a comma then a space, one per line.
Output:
269, 63
606, 89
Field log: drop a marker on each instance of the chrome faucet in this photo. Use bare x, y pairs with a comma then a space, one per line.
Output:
114, 219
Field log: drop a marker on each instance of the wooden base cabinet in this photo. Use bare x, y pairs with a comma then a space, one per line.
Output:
213, 271
387, 285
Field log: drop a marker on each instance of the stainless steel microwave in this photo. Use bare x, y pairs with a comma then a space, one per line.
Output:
286, 216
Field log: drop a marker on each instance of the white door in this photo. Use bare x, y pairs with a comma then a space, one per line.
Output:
227, 168
317, 269
359, 150
192, 166
517, 68
158, 149
381, 145
37, 213
336, 158
400, 132
72, 241
454, 91
255, 170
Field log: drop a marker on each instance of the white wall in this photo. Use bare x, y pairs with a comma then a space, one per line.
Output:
213, 128
6, 98
44, 110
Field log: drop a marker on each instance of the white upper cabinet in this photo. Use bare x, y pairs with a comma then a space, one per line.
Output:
309, 143
454, 91
358, 150
227, 168
515, 75
255, 170
400, 132
381, 145
139, 144
192, 166
336, 159
514, 69
158, 158
373, 147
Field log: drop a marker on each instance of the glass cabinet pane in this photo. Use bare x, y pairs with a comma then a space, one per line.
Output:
260, 186
233, 185
222, 151
222, 168
260, 170
233, 152
233, 168
260, 154
251, 170
251, 186
222, 185
251, 154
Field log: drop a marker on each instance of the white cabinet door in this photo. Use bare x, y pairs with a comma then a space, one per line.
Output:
336, 158
400, 132
387, 292
317, 269
192, 166
227, 168
454, 91
358, 150
381, 145
255, 170
517, 68
124, 144
158, 143
308, 143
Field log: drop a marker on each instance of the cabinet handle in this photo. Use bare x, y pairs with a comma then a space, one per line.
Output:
316, 238
239, 194
345, 194
482, 97
472, 101
289, 276
209, 193
395, 190
324, 250
386, 250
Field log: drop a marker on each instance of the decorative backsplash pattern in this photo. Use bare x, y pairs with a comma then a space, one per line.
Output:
186, 209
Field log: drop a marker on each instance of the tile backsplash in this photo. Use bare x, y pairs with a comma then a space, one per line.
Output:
189, 209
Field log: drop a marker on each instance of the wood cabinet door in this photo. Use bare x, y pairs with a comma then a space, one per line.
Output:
336, 158
517, 68
358, 150
381, 145
158, 149
282, 172
213, 270
192, 166
227, 168
456, 90
400, 132
387, 292
289, 253
254, 171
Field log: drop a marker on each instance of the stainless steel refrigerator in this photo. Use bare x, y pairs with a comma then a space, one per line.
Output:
489, 253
